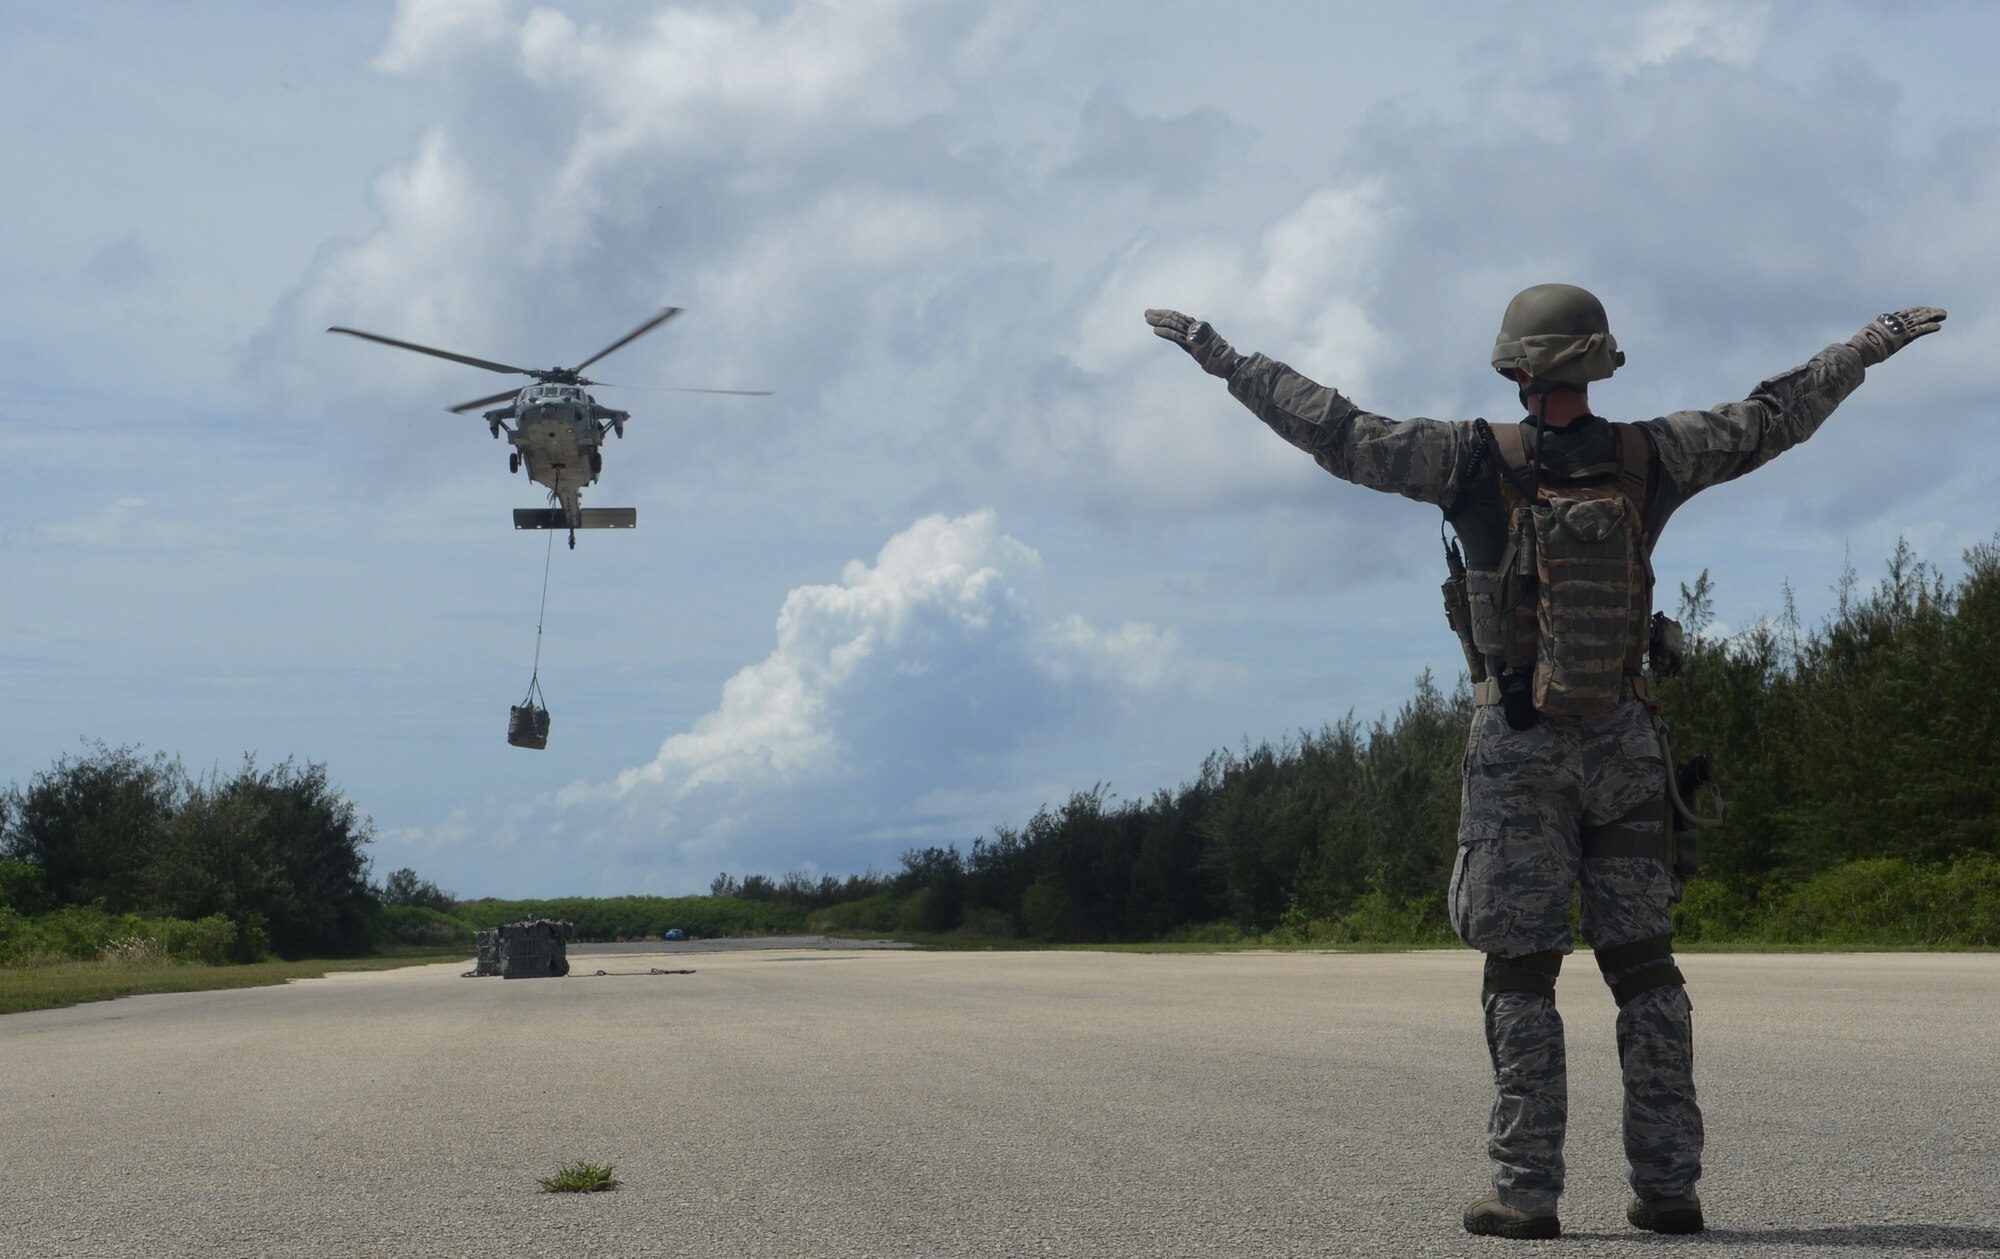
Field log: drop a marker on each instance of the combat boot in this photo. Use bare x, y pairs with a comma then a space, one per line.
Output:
1664, 1215
1490, 1217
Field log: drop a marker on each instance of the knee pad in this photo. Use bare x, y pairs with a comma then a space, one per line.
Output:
1530, 972
1640, 966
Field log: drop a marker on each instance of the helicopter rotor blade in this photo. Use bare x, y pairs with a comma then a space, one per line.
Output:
630, 337
477, 403
741, 393
425, 349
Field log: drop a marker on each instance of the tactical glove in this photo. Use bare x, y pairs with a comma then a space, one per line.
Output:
1889, 333
1199, 338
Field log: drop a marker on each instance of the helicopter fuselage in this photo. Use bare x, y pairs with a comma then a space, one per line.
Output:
556, 429
557, 432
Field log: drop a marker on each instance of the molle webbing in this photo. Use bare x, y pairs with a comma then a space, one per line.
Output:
1586, 604
1574, 595
1640, 966
1530, 972
1458, 608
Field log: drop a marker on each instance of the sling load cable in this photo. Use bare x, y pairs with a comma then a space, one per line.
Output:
528, 721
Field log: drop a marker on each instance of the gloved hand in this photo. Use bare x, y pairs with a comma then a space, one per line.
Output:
1200, 339
1888, 333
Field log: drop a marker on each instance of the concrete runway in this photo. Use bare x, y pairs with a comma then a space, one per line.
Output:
833, 1103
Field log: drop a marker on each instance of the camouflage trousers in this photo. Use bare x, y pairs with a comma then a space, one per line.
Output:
1574, 802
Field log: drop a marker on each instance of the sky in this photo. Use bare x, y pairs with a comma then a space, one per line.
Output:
989, 542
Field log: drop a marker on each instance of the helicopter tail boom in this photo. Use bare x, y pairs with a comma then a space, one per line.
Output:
587, 518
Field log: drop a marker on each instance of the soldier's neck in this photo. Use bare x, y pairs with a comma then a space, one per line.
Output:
1566, 407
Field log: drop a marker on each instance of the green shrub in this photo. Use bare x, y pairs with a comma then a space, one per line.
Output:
22, 888
1047, 913
869, 915
23, 942
986, 924
422, 927
1969, 900
1715, 911
916, 912
213, 940
1888, 901
1209, 933
82, 933
1379, 918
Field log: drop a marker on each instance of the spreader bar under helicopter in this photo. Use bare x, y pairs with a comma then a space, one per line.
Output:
587, 518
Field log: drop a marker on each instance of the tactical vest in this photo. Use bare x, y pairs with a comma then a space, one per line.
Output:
1571, 603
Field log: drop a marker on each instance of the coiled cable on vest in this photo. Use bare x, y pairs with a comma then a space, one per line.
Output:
1681, 806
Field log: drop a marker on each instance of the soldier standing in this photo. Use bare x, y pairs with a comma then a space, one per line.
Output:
1566, 782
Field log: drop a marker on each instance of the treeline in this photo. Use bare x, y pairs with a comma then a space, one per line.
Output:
1860, 759
109, 853
645, 917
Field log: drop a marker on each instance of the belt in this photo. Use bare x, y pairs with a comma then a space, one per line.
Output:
1487, 692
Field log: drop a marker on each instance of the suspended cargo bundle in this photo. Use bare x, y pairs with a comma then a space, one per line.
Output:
528, 721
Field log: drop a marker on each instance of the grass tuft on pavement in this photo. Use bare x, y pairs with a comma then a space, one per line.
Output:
581, 1177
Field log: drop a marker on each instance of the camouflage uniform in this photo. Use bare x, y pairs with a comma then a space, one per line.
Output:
1573, 800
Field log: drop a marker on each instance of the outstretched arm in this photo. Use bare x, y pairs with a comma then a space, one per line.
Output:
1414, 458
1703, 448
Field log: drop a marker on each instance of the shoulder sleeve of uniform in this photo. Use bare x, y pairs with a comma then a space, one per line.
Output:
1416, 458
1703, 448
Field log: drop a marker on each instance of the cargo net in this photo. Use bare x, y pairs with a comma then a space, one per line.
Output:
528, 721
535, 949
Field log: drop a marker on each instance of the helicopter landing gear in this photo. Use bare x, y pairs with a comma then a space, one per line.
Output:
514, 462
572, 539
596, 462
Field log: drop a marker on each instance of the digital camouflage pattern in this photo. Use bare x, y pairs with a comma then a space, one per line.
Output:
1574, 800
1569, 802
1420, 458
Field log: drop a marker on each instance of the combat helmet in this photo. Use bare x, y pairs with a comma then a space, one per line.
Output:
1559, 335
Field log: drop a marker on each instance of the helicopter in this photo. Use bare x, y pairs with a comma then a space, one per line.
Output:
557, 430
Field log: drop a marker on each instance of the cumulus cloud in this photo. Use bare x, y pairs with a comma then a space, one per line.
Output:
932, 237
889, 695
1309, 278
426, 30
